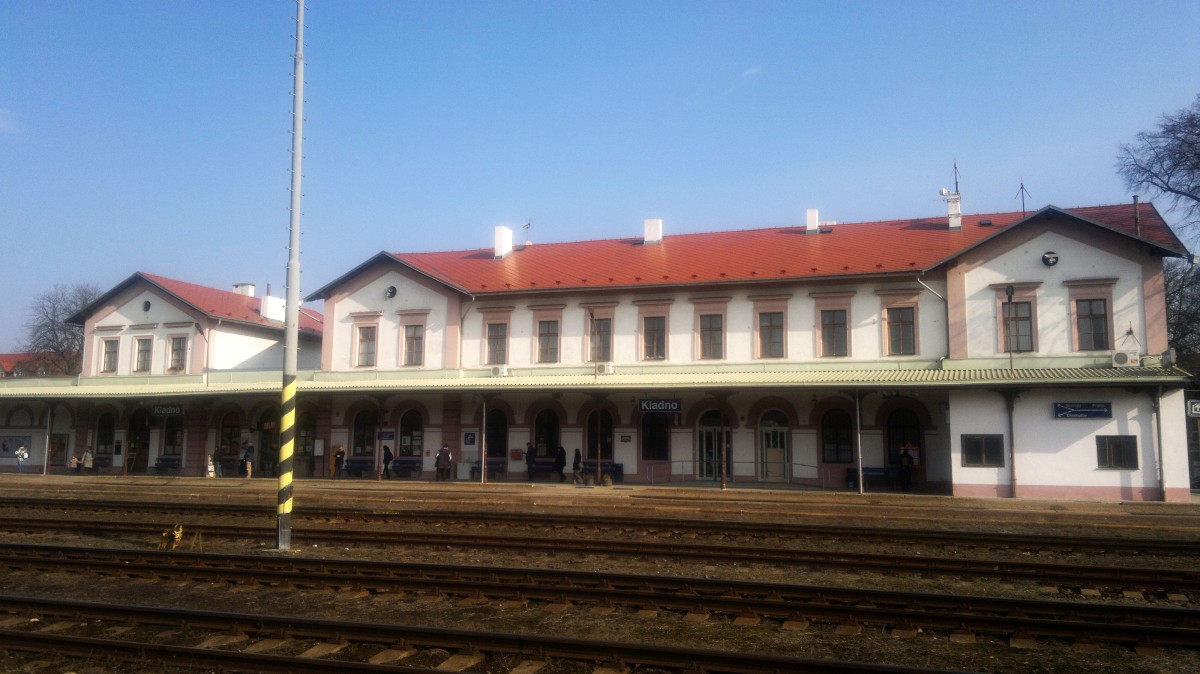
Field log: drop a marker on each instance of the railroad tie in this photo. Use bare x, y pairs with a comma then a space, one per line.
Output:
461, 661
264, 645
323, 649
392, 655
530, 667
1023, 640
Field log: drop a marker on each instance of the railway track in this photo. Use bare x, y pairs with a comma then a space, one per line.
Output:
564, 525
1176, 584
1021, 622
262, 643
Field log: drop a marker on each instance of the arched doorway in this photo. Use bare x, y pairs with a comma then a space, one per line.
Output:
546, 433
496, 429
138, 442
106, 433
599, 430
267, 456
904, 428
412, 434
229, 443
715, 436
772, 446
303, 461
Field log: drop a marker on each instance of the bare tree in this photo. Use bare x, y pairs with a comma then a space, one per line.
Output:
47, 333
1182, 285
1166, 162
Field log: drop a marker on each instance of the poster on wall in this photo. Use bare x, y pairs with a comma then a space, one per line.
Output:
10, 443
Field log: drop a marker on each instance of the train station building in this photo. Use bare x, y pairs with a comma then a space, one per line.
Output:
1006, 354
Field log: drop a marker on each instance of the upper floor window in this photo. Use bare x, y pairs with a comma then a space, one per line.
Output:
414, 344
178, 353
144, 347
497, 343
1117, 451
547, 342
654, 338
366, 345
108, 358
770, 334
1091, 313
902, 331
1091, 322
1018, 326
601, 339
712, 336
834, 336
1016, 316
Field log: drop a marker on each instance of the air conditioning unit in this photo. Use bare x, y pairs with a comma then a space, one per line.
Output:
605, 368
499, 370
1126, 359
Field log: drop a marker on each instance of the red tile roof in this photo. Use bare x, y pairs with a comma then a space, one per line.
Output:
867, 248
222, 304
31, 364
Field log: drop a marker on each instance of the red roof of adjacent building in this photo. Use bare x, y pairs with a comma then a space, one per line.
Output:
222, 304
32, 364
853, 249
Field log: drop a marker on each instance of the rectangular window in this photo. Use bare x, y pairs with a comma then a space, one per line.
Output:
547, 341
497, 343
770, 334
1117, 452
654, 338
601, 339
833, 333
712, 335
983, 450
108, 361
141, 361
1092, 324
902, 333
1018, 326
178, 353
414, 345
366, 346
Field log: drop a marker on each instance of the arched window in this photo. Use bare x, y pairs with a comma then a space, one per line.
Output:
230, 434
412, 434
106, 427
656, 436
837, 437
173, 442
772, 445
903, 426
497, 434
545, 433
365, 424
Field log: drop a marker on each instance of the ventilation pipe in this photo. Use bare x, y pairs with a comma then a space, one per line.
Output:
503, 241
812, 224
652, 230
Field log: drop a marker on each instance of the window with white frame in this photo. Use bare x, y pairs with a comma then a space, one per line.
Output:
599, 331
143, 350
178, 355
1091, 313
497, 343
770, 326
547, 341
832, 324
366, 340
1016, 318
109, 350
414, 344
900, 322
652, 317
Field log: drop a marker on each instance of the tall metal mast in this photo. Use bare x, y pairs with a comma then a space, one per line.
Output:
292, 315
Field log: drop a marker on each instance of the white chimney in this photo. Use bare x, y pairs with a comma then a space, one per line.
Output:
954, 210
503, 241
813, 224
246, 289
273, 308
652, 229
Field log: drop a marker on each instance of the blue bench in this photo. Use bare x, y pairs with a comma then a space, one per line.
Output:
883, 474
168, 464
360, 465
409, 465
496, 469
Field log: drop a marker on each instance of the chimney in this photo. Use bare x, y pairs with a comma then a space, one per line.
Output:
503, 241
954, 210
652, 230
273, 308
812, 224
246, 289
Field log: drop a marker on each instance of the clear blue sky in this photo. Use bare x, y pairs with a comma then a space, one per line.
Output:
154, 136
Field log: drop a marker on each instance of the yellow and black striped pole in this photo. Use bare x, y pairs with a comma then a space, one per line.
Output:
292, 312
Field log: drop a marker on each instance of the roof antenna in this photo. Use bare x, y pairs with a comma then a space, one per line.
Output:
526, 226
1023, 193
956, 176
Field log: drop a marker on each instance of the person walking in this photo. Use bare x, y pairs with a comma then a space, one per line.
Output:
530, 459
22, 454
387, 462
906, 466
88, 460
577, 464
248, 457
560, 463
442, 463
73, 464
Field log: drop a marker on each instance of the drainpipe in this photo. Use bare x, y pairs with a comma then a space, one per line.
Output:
1010, 400
1158, 449
858, 437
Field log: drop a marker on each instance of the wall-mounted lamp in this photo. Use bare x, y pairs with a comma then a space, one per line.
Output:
389, 292
146, 305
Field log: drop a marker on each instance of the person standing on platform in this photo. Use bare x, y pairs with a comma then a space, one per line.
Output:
88, 460
530, 459
248, 457
22, 454
73, 464
441, 463
387, 462
339, 461
577, 464
560, 463
906, 466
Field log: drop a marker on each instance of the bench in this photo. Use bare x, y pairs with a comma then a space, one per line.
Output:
358, 465
102, 461
496, 469
614, 470
884, 474
168, 464
409, 465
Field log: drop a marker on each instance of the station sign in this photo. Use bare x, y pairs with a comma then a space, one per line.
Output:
1082, 410
665, 405
387, 435
1193, 408
164, 410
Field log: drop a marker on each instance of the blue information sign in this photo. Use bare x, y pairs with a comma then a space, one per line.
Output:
1082, 410
387, 435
